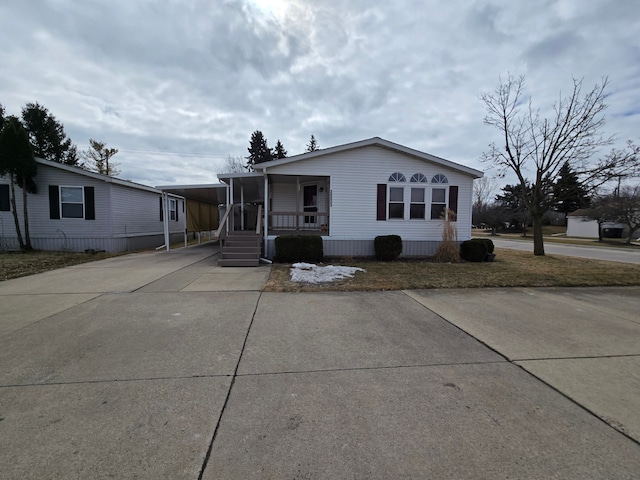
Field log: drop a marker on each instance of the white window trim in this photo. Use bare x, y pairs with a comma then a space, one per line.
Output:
389, 202
438, 186
173, 209
60, 202
424, 188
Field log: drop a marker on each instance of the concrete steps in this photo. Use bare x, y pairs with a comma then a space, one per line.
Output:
241, 250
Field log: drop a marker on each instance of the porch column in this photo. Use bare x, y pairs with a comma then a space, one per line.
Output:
242, 206
230, 205
297, 203
266, 213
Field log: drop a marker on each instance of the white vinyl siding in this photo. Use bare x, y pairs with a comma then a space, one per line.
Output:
354, 176
124, 215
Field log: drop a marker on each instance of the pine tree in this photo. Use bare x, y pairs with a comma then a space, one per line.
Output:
313, 144
568, 193
17, 161
47, 136
258, 150
98, 156
279, 151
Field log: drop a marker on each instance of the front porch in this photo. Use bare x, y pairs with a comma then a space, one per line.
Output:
291, 204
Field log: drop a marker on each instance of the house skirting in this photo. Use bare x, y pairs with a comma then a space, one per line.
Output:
335, 247
63, 243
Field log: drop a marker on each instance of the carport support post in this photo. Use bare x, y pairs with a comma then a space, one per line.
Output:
165, 217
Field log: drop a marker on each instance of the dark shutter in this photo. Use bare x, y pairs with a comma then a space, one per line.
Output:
453, 199
89, 204
161, 210
177, 205
5, 204
54, 202
382, 202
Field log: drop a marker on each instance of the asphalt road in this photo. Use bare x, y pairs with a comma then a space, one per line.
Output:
582, 251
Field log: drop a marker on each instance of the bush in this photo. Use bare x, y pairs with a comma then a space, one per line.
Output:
488, 241
474, 250
299, 248
387, 247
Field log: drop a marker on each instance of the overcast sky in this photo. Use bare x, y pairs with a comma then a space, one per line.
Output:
178, 86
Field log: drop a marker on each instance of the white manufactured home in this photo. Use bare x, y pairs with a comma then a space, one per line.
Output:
77, 210
352, 193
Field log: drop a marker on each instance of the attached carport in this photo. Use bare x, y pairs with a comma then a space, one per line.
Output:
202, 207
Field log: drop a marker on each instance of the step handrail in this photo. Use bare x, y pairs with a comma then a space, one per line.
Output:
224, 220
259, 221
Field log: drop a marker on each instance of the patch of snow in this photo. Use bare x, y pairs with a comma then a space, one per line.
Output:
311, 273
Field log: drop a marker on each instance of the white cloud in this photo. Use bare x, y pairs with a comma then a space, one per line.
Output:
198, 77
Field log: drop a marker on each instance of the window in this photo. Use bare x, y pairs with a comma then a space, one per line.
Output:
72, 202
397, 177
439, 178
173, 209
418, 178
5, 204
396, 202
438, 202
417, 206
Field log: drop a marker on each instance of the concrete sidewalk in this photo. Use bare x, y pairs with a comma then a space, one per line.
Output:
166, 366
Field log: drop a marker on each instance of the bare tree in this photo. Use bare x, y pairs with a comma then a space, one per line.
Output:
537, 146
625, 209
484, 189
234, 164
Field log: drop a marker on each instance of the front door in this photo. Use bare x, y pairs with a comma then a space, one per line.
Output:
310, 203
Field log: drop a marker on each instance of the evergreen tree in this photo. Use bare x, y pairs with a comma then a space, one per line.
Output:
47, 136
279, 151
259, 152
313, 144
568, 193
513, 204
98, 156
17, 161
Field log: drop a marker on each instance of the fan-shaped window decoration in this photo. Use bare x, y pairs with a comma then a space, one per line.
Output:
439, 178
418, 178
397, 177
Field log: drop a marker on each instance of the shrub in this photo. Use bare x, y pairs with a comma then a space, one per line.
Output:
299, 248
387, 247
473, 250
488, 241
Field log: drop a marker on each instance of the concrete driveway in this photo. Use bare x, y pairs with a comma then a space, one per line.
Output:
166, 366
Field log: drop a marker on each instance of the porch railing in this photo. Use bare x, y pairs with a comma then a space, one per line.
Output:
299, 221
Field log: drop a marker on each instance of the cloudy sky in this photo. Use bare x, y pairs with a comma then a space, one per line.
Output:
178, 86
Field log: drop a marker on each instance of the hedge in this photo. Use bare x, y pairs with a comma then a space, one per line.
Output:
299, 248
387, 247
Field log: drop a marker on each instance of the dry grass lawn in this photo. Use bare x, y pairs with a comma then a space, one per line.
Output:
20, 264
511, 268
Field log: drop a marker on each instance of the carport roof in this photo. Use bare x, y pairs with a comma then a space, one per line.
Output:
214, 193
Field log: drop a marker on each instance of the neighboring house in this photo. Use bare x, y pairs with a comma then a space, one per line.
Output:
352, 193
580, 225
77, 210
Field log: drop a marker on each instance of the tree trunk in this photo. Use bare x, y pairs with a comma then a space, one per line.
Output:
600, 231
15, 211
27, 238
538, 242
